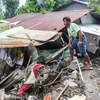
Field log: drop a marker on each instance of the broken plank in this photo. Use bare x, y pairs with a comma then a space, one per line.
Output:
2, 93
51, 57
63, 89
80, 71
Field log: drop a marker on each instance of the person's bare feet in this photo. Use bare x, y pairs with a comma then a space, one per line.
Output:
88, 66
69, 59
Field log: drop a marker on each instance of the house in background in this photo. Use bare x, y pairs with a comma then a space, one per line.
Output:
51, 21
73, 5
85, 0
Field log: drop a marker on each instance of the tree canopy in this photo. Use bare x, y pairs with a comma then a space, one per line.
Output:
32, 6
95, 4
59, 3
1, 14
11, 8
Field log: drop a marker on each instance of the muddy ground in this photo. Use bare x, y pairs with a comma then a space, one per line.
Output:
90, 88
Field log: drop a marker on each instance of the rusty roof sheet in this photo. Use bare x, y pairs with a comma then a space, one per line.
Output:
23, 17
48, 21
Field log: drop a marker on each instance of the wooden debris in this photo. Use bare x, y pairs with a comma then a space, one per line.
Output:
57, 77
51, 57
2, 92
9, 76
29, 38
63, 89
25, 73
80, 71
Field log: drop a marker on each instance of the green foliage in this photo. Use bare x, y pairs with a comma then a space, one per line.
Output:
1, 14
32, 6
11, 8
60, 3
95, 4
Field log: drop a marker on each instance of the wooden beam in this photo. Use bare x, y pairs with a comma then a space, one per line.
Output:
2, 93
63, 89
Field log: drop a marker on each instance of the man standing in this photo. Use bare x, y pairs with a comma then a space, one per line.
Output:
79, 41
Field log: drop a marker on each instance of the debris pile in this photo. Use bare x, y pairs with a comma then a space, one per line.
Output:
28, 79
38, 73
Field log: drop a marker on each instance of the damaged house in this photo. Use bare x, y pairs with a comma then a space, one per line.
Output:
44, 22
90, 21
36, 44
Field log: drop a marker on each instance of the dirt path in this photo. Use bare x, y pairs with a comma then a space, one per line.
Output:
92, 89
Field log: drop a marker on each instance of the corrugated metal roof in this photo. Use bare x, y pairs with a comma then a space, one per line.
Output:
48, 21
34, 35
9, 42
23, 17
4, 34
93, 29
19, 39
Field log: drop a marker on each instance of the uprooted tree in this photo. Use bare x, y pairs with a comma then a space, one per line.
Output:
11, 7
32, 6
95, 4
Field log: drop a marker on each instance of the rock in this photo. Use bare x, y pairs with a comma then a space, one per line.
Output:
62, 98
99, 69
74, 74
65, 82
77, 97
7, 96
91, 91
73, 84
32, 98
73, 66
11, 97
59, 89
73, 91
54, 94
64, 64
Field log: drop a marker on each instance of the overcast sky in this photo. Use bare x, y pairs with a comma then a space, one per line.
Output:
22, 2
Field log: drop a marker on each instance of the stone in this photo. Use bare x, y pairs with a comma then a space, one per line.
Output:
99, 69
59, 89
74, 74
73, 84
77, 97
